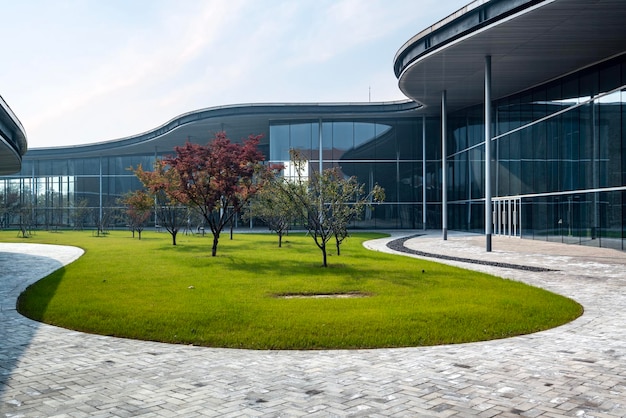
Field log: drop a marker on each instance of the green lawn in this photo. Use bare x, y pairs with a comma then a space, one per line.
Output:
152, 290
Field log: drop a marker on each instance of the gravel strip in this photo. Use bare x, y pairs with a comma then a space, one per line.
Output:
398, 245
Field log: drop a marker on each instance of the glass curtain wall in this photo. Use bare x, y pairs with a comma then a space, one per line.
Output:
68, 193
384, 152
83, 192
559, 149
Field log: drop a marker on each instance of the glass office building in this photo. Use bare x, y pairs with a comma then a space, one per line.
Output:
559, 165
530, 98
535, 78
380, 143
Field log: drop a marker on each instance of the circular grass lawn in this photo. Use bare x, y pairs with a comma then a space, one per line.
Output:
258, 296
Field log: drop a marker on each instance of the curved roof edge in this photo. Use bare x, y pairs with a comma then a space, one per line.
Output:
269, 110
13, 143
529, 42
468, 18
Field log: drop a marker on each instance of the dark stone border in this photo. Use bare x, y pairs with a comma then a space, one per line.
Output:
398, 245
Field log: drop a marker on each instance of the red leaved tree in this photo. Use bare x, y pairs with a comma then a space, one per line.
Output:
217, 179
162, 184
138, 207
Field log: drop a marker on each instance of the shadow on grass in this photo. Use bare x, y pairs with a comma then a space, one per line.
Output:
34, 305
226, 246
313, 268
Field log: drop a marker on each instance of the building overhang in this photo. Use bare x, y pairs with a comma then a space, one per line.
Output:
530, 43
13, 143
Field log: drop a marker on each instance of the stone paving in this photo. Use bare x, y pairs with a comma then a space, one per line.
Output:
576, 370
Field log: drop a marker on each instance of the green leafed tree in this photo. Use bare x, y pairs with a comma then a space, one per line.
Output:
345, 200
273, 207
327, 201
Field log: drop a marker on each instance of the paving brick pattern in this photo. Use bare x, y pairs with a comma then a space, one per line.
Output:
576, 370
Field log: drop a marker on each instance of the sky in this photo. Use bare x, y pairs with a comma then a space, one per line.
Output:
85, 71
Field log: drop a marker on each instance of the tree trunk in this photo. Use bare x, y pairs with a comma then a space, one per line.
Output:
323, 248
216, 239
280, 240
174, 237
338, 244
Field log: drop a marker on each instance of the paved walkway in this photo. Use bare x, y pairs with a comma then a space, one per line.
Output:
576, 370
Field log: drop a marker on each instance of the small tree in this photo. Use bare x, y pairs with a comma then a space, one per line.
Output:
79, 213
25, 218
218, 179
327, 201
162, 184
305, 195
16, 208
10, 207
345, 202
274, 208
138, 208
101, 219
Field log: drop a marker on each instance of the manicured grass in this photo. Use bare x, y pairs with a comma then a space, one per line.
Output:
152, 290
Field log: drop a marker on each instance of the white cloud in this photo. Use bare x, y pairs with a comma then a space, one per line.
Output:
87, 70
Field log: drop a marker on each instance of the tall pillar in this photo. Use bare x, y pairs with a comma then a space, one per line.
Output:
488, 209
156, 203
424, 208
34, 186
595, 162
100, 195
321, 166
320, 154
444, 177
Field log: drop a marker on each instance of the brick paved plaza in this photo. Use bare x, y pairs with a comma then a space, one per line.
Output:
576, 370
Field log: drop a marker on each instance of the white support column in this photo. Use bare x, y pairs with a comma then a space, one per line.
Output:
321, 162
595, 170
100, 194
424, 208
444, 177
488, 210
35, 188
321, 166
156, 207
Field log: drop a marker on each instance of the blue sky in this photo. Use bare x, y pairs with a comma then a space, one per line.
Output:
83, 71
